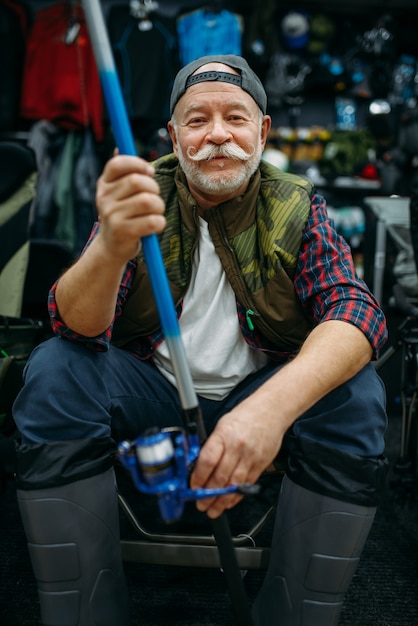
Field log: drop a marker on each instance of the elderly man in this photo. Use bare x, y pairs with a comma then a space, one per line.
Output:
279, 333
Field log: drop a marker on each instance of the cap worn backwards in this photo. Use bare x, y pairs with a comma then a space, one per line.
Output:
246, 79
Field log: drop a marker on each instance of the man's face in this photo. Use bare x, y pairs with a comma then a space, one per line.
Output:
218, 136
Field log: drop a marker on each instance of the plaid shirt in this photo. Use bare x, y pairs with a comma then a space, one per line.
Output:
325, 282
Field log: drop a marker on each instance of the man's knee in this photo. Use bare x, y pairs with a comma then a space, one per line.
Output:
335, 473
352, 418
337, 447
64, 395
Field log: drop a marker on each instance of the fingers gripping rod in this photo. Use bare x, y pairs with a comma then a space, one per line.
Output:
162, 294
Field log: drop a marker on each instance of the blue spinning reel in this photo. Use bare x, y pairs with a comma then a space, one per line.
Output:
160, 463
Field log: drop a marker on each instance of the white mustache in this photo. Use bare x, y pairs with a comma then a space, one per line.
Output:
227, 150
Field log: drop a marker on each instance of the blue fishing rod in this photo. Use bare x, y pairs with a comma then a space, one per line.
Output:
125, 143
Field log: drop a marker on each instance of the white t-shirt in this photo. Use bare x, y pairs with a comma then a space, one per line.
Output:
218, 356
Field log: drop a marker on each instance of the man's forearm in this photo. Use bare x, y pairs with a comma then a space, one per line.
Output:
332, 354
86, 294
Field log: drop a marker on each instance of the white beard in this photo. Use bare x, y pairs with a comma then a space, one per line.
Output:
220, 181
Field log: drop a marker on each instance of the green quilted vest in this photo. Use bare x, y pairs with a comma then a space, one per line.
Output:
257, 237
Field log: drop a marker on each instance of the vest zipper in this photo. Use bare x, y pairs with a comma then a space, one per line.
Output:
248, 314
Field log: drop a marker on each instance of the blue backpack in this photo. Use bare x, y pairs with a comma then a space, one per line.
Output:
202, 32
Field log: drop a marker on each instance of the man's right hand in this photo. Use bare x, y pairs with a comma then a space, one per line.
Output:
129, 206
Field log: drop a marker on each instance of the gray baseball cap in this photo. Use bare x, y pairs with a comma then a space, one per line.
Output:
246, 79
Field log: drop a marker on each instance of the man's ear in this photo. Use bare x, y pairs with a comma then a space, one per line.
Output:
265, 129
173, 136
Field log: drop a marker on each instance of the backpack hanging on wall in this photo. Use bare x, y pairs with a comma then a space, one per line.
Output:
60, 80
204, 32
146, 57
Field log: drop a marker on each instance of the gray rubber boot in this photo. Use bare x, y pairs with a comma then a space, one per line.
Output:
74, 546
316, 548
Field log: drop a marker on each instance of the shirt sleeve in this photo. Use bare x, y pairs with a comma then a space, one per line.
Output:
102, 341
326, 281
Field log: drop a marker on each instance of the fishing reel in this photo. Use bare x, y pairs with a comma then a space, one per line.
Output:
160, 463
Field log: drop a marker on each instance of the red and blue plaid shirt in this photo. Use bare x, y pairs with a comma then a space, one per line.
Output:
325, 282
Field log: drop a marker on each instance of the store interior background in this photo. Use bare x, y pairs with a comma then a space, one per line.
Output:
341, 79
342, 82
